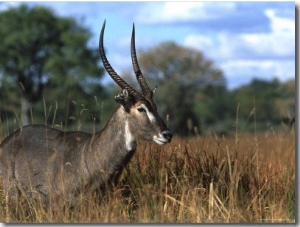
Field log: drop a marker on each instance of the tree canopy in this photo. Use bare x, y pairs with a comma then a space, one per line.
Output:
192, 93
40, 50
181, 74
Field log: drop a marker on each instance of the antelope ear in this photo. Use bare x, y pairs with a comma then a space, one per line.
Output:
125, 99
154, 90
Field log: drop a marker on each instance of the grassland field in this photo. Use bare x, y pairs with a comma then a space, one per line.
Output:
244, 178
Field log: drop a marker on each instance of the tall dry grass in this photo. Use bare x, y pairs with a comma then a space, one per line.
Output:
239, 179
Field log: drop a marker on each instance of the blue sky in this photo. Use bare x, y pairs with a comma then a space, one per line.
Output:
244, 39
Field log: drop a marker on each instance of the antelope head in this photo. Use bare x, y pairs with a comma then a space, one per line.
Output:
143, 118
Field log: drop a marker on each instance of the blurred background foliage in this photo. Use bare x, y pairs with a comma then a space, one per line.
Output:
49, 75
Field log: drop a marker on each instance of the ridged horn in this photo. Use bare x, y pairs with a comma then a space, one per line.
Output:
140, 78
122, 83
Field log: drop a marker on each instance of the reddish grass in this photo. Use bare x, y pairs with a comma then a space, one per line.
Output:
242, 179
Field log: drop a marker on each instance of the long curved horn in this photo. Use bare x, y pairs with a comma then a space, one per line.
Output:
140, 78
122, 83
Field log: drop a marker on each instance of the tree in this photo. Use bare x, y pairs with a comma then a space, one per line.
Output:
181, 75
40, 50
265, 99
286, 103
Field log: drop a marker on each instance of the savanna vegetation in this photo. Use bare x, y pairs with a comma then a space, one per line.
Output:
249, 178
233, 155
54, 78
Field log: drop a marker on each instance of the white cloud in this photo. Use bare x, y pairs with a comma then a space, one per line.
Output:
244, 55
280, 42
200, 41
241, 71
258, 68
280, 24
158, 12
217, 47
8, 5
180, 11
233, 34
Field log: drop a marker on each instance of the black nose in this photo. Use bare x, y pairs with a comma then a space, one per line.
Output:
168, 135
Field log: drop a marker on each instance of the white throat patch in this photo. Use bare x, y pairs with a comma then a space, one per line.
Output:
130, 142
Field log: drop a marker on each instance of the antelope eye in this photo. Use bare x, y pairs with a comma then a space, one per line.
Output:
141, 110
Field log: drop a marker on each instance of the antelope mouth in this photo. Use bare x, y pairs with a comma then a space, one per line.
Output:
161, 140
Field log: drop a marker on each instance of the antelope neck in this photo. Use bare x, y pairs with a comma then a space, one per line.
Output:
118, 134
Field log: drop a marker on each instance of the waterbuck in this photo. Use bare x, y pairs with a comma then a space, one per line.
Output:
53, 166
